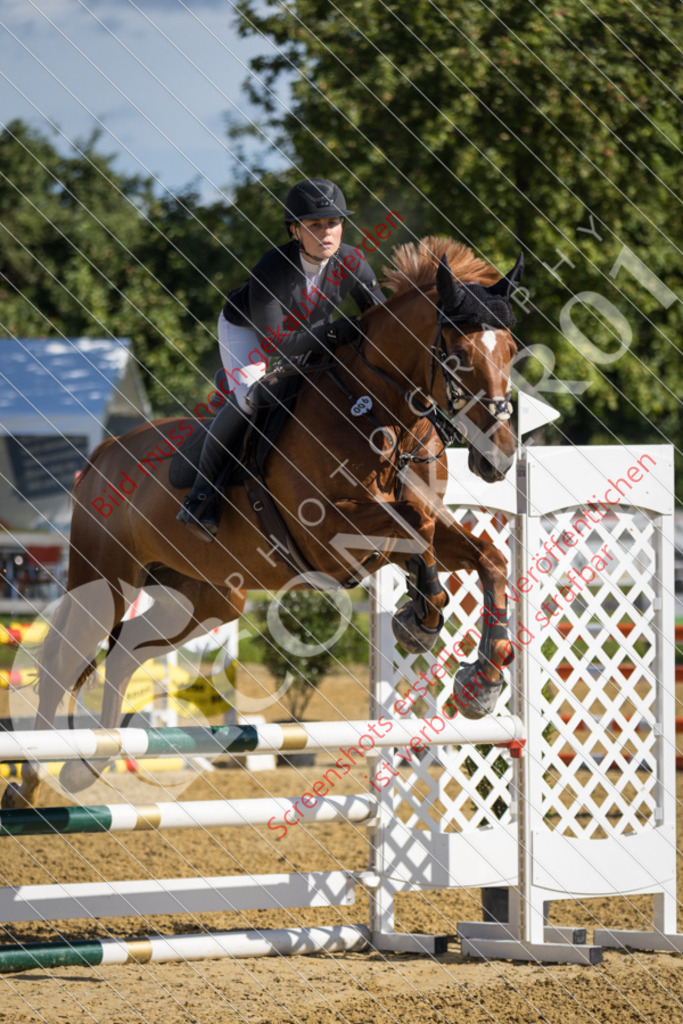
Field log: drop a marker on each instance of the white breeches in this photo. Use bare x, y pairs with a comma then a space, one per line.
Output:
242, 358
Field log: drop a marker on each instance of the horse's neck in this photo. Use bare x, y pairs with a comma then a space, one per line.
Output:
394, 353
367, 376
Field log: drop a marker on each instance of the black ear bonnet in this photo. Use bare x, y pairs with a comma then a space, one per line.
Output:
475, 305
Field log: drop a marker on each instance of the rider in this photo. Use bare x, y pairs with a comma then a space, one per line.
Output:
286, 306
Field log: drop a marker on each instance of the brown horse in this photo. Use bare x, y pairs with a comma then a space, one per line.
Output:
358, 477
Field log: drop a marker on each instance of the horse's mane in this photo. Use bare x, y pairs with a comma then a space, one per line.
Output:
414, 266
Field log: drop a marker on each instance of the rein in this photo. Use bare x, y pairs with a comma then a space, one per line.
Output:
445, 433
402, 458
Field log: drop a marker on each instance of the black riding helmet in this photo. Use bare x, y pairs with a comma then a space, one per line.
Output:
313, 199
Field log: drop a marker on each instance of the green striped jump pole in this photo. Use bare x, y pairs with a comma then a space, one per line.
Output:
167, 948
181, 814
64, 745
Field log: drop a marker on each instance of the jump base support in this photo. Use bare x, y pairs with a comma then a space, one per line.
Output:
495, 941
410, 942
656, 941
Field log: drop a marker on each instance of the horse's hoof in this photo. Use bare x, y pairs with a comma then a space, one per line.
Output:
13, 798
77, 775
409, 632
473, 693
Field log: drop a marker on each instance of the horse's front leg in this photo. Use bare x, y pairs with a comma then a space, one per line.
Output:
404, 534
478, 685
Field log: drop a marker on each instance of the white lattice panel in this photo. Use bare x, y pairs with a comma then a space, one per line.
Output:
594, 798
598, 675
459, 793
596, 659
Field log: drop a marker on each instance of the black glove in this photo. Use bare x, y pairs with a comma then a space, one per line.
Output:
321, 338
345, 329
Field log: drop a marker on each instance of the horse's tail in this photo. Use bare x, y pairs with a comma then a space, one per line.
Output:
90, 462
85, 674
83, 678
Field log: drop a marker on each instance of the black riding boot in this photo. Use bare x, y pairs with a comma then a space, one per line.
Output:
202, 506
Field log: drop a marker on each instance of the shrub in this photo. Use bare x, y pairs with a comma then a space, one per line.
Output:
302, 645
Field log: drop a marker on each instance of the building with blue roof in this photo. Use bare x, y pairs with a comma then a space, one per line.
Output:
58, 399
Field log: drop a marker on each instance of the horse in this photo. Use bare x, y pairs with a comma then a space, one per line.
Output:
358, 477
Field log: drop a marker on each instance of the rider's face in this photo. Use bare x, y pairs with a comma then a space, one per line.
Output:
319, 238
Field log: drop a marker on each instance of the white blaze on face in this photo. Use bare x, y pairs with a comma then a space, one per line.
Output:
489, 340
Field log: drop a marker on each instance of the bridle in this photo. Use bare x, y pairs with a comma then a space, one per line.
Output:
443, 421
457, 395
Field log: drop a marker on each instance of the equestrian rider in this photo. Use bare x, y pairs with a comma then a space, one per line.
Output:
285, 307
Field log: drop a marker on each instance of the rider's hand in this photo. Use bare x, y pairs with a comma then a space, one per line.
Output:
325, 337
342, 331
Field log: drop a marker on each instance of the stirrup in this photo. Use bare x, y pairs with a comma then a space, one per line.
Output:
200, 512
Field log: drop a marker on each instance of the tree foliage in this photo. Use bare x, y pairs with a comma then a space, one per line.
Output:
512, 126
509, 126
305, 647
87, 251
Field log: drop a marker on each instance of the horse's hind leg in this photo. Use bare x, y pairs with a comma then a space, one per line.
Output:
83, 619
179, 613
77, 775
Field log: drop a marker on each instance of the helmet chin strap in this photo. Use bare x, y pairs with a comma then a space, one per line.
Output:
310, 256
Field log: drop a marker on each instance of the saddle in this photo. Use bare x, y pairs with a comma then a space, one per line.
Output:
276, 396
275, 399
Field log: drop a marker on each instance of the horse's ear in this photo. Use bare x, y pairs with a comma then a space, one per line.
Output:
450, 293
508, 284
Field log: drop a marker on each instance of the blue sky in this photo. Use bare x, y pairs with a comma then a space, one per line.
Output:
158, 76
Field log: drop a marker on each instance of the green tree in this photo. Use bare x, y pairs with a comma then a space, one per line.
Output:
64, 234
178, 288
85, 250
508, 126
304, 646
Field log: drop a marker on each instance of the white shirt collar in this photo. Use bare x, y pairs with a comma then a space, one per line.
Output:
312, 269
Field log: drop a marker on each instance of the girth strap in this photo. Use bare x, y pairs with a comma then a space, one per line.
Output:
274, 527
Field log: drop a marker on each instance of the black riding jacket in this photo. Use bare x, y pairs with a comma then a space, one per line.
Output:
275, 302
